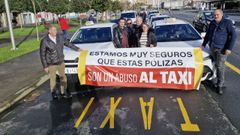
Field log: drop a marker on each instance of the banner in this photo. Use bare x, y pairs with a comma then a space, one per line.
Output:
171, 68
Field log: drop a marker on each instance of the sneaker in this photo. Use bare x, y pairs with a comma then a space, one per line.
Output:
54, 95
219, 90
66, 95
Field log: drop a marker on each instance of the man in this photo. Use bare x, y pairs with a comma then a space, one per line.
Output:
120, 34
221, 37
130, 33
64, 27
52, 58
137, 29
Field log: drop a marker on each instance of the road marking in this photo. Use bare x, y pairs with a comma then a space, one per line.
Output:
83, 113
147, 117
110, 116
232, 67
187, 126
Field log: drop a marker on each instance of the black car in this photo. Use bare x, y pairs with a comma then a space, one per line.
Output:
203, 19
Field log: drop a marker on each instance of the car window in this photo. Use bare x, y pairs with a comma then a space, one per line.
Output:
177, 32
92, 35
128, 15
209, 15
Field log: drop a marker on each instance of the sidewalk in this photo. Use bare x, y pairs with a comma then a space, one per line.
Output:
19, 77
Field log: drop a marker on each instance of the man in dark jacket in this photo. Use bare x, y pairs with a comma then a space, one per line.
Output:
120, 34
52, 58
221, 37
137, 30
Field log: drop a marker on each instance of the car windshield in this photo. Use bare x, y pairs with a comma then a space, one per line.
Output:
176, 32
209, 15
92, 35
128, 15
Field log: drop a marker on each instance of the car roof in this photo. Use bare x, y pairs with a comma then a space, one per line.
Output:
99, 25
158, 16
129, 11
170, 22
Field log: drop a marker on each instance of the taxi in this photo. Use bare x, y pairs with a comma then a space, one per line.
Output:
90, 37
172, 32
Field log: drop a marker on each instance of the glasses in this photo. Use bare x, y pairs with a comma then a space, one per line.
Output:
129, 23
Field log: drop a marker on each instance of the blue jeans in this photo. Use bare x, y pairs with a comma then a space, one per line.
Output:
219, 59
65, 34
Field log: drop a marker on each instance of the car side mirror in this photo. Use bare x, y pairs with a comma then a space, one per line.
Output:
203, 34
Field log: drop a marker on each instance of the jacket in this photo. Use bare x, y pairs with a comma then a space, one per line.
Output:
137, 31
63, 24
151, 39
221, 36
118, 36
51, 53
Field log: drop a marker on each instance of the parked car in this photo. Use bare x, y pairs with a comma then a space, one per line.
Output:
178, 33
203, 18
129, 15
157, 18
95, 36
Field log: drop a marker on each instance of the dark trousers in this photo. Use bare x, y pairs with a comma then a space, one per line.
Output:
219, 59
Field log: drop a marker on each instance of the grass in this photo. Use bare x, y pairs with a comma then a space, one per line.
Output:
26, 47
23, 31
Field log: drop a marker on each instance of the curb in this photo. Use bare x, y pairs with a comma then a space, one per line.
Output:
20, 94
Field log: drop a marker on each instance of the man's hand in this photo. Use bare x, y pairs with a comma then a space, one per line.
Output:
202, 47
227, 52
46, 70
151, 45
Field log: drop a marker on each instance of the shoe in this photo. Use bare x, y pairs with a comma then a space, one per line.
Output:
66, 95
54, 95
219, 90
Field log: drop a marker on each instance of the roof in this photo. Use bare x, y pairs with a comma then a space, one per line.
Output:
129, 11
158, 16
170, 21
99, 25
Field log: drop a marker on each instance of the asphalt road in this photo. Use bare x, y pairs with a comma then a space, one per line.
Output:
113, 111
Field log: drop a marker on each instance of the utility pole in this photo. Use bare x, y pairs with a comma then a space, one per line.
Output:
35, 14
10, 25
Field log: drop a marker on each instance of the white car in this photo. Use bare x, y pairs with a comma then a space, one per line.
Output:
157, 18
129, 15
96, 36
178, 33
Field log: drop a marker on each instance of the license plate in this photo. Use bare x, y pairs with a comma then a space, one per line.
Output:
71, 70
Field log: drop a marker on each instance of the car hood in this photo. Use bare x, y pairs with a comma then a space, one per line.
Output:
180, 44
71, 54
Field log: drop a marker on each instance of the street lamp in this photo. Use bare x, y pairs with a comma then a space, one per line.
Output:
10, 25
35, 14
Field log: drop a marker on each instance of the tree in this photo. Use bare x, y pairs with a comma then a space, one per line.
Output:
101, 5
79, 6
116, 5
58, 6
2, 6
